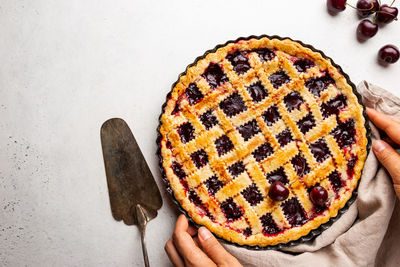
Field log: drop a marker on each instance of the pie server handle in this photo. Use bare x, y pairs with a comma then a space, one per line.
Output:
142, 221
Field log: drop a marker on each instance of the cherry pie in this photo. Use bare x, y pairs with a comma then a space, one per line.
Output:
252, 113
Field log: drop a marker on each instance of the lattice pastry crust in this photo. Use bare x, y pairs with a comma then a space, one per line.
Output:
251, 113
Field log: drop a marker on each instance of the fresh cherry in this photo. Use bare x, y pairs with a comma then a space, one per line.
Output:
387, 14
366, 29
367, 7
388, 54
318, 195
336, 5
278, 191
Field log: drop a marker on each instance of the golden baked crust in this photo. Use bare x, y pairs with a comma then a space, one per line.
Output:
222, 142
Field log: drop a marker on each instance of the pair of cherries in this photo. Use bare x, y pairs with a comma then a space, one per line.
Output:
279, 192
384, 14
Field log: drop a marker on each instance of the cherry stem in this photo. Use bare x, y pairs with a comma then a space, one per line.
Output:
372, 7
395, 18
290, 184
361, 9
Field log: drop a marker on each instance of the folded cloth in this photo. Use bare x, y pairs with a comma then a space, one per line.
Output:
368, 234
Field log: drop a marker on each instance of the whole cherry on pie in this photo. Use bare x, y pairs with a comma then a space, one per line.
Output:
319, 195
278, 191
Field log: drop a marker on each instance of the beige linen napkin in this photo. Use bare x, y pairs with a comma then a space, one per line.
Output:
368, 234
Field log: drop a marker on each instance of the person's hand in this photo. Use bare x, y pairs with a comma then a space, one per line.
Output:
189, 247
385, 153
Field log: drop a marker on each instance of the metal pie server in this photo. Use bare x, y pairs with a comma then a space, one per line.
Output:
134, 195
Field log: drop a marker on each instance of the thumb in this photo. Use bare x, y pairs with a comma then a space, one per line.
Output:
390, 160
215, 250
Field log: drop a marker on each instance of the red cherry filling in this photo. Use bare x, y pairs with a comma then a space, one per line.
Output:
169, 145
247, 232
293, 101
350, 165
232, 105
279, 78
200, 158
294, 212
223, 145
178, 170
231, 210
236, 168
185, 184
262, 152
278, 175
252, 195
319, 195
306, 123
249, 129
186, 131
197, 201
208, 119
300, 165
271, 115
320, 150
269, 225
214, 75
334, 106
193, 94
257, 92
303, 64
264, 53
213, 184
345, 133
284, 137
239, 61
278, 191
176, 109
317, 85
195, 198
319, 209
335, 180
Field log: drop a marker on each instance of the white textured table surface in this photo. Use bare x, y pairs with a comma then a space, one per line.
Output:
67, 66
